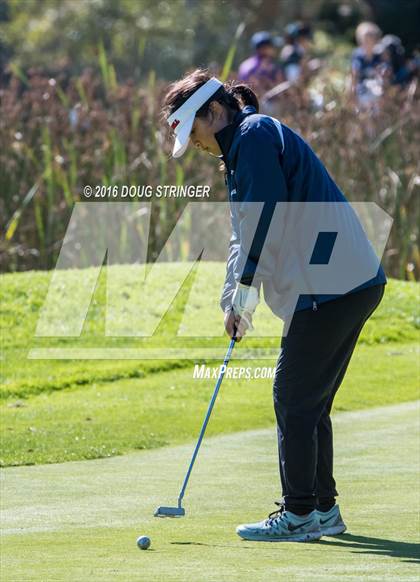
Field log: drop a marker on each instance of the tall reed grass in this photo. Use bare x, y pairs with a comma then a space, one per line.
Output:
57, 135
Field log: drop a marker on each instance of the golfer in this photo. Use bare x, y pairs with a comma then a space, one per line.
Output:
267, 162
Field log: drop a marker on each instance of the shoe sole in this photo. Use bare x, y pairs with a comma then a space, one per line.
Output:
334, 530
308, 537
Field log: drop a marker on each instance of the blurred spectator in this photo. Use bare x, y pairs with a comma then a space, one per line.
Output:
262, 69
294, 55
367, 65
397, 69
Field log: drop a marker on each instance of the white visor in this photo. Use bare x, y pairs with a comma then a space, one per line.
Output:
181, 120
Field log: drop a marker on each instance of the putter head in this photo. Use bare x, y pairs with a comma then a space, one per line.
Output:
169, 512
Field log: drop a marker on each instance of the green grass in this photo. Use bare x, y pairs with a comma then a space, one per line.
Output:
105, 419
79, 521
56, 410
23, 294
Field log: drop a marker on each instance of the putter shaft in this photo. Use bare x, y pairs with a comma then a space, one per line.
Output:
207, 418
180, 511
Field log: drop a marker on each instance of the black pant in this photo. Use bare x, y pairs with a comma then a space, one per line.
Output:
313, 361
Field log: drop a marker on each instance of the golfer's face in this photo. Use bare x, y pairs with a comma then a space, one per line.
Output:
202, 136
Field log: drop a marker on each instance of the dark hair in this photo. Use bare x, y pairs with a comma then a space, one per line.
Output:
232, 96
296, 30
394, 46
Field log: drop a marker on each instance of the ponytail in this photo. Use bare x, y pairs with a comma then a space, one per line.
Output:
245, 95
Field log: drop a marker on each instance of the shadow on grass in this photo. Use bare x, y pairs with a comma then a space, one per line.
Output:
239, 544
409, 552
211, 545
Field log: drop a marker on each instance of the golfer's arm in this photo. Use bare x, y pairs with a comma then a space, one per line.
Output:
230, 282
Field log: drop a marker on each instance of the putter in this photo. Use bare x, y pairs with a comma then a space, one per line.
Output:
179, 511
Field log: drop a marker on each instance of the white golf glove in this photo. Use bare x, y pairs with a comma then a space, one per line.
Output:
244, 302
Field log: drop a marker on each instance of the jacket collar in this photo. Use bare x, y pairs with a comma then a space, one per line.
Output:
224, 137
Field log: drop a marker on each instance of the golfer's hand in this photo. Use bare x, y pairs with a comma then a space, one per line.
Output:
236, 323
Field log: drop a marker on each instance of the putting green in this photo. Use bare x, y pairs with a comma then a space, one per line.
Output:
80, 520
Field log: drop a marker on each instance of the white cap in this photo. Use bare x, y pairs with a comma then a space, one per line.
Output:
181, 120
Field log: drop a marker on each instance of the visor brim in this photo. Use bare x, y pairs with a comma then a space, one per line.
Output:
182, 138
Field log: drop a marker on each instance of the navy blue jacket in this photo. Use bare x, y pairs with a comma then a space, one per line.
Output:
268, 162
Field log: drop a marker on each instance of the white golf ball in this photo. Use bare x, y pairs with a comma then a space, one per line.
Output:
143, 542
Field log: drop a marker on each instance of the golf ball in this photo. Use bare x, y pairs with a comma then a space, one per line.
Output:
143, 542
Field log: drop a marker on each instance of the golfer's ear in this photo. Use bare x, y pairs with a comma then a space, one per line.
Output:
215, 110
211, 113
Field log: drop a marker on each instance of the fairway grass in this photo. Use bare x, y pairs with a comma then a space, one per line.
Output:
55, 410
396, 321
112, 418
80, 520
